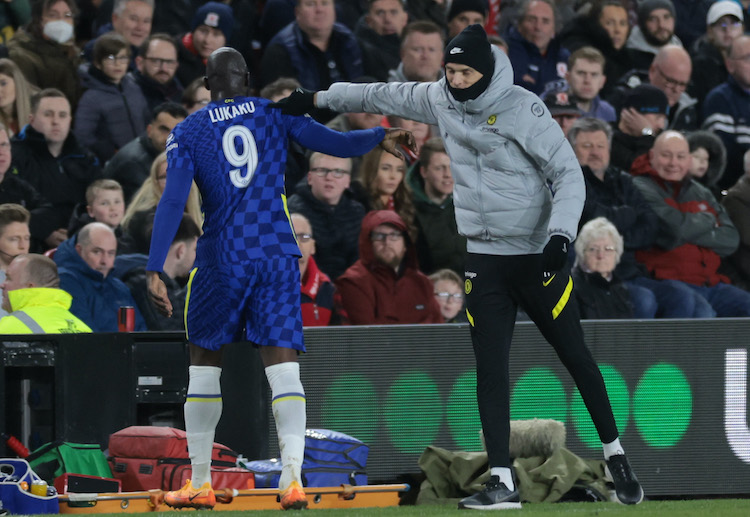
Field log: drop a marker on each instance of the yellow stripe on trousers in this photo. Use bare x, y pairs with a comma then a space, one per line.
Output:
563, 301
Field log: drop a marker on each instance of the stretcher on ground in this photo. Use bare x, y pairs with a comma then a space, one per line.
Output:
343, 496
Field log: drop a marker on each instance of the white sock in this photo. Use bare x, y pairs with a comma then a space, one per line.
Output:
505, 475
202, 412
612, 448
288, 404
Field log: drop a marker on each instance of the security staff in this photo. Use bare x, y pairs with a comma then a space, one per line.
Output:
34, 300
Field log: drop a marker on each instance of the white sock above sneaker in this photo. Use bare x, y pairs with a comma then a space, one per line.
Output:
202, 412
505, 475
288, 404
612, 448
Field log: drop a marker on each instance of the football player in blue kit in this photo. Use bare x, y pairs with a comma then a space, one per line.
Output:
245, 283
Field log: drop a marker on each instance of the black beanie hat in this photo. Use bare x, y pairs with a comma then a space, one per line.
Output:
645, 8
460, 6
471, 48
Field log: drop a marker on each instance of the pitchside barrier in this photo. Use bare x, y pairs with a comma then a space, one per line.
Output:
679, 391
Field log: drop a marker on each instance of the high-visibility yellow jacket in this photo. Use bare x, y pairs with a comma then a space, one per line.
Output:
41, 310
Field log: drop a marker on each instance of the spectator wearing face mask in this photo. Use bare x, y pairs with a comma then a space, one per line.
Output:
45, 49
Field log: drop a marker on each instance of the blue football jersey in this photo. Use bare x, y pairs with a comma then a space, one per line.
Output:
236, 149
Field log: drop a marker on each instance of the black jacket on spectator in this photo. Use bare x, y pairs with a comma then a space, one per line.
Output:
13, 189
709, 70
62, 180
690, 19
379, 53
599, 299
290, 54
335, 229
131, 269
155, 92
140, 228
131, 166
617, 199
191, 65
625, 148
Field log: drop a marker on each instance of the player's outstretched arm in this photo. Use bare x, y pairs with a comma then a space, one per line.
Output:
299, 102
157, 292
395, 137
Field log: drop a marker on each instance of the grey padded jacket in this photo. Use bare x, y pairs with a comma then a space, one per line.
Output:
508, 157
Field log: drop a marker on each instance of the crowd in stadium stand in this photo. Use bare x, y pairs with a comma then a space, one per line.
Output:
653, 96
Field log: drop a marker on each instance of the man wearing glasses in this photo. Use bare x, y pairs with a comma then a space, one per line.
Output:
334, 214
385, 286
670, 72
156, 65
726, 110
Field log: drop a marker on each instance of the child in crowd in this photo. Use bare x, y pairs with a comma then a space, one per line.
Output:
113, 110
709, 159
449, 293
105, 203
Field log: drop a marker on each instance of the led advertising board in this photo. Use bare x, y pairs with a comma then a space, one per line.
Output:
678, 391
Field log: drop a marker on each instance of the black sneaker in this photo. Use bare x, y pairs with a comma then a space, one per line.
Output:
627, 487
495, 496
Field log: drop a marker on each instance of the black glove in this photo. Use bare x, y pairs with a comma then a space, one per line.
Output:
555, 254
300, 101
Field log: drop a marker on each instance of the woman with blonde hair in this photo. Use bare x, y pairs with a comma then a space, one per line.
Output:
15, 96
139, 216
382, 176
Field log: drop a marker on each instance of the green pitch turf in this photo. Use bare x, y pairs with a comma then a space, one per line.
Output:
690, 508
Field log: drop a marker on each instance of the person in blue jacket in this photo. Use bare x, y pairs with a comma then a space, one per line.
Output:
85, 262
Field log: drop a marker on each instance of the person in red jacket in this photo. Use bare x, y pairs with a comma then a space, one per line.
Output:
317, 288
694, 230
385, 286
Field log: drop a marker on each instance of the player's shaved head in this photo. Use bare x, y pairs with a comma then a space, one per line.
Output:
226, 74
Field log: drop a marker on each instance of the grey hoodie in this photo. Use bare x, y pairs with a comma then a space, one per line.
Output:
507, 157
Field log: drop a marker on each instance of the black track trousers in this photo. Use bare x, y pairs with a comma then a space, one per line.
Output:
496, 285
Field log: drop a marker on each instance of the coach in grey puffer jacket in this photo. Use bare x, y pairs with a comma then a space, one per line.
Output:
518, 193
504, 148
